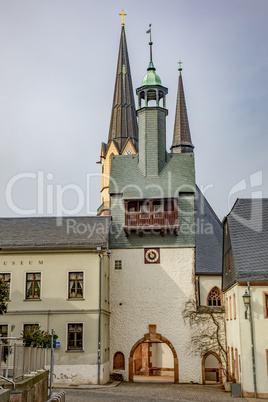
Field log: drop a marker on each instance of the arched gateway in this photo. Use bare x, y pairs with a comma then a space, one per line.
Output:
153, 337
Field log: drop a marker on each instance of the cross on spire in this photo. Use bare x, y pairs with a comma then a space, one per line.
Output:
150, 43
123, 14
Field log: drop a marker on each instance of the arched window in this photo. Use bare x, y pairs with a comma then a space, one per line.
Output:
119, 361
214, 297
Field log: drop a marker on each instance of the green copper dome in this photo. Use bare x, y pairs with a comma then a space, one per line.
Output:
151, 78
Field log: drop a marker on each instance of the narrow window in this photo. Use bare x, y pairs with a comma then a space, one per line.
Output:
229, 260
30, 327
267, 360
214, 297
227, 312
75, 336
33, 285
226, 264
76, 285
234, 307
265, 304
233, 364
119, 361
118, 264
6, 279
230, 305
236, 366
3, 331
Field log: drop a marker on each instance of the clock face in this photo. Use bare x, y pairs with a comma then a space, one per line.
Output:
152, 255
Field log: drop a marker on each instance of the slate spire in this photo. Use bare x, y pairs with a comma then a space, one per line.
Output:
123, 123
182, 142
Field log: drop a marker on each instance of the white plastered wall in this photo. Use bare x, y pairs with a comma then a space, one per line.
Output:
144, 294
238, 336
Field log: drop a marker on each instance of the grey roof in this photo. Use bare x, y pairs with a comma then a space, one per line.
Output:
208, 237
248, 228
182, 137
54, 233
123, 123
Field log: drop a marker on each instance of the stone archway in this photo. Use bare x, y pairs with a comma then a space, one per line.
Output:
152, 336
219, 372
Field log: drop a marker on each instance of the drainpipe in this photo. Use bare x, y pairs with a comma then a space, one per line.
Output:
99, 323
252, 344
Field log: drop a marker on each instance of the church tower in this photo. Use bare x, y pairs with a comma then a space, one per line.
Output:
123, 132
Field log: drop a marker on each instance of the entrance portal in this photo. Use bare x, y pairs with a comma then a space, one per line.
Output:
153, 358
211, 369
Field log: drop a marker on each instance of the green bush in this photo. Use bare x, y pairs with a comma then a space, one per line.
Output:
37, 337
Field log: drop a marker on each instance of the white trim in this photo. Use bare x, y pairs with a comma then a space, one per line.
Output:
66, 336
41, 284
84, 287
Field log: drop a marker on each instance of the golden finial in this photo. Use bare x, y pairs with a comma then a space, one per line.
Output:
123, 17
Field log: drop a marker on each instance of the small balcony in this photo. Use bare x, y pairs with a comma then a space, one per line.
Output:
151, 216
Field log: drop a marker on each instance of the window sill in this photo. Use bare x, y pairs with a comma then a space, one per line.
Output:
74, 351
75, 298
30, 300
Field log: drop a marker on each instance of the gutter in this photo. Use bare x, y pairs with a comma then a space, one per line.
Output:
99, 319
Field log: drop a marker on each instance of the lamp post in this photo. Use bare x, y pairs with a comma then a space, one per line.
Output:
246, 299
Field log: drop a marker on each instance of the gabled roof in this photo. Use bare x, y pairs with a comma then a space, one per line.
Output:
182, 137
208, 237
248, 228
123, 123
54, 233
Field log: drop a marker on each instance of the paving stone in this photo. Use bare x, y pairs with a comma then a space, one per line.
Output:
134, 392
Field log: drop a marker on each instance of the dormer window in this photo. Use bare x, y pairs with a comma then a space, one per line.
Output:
151, 215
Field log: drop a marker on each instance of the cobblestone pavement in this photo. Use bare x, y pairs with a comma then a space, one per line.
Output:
133, 392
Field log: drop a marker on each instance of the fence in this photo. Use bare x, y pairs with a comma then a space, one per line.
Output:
17, 360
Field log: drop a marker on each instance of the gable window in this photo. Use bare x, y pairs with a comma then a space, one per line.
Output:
76, 285
33, 285
5, 277
214, 297
75, 337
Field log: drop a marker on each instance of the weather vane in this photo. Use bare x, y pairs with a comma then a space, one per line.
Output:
180, 68
123, 18
150, 43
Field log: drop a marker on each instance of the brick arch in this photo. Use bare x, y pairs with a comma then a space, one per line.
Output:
203, 366
153, 337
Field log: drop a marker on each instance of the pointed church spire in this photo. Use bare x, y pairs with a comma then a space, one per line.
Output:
123, 123
182, 142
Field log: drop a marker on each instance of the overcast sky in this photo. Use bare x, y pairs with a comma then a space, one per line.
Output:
57, 73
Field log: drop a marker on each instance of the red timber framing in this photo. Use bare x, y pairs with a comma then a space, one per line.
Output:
151, 215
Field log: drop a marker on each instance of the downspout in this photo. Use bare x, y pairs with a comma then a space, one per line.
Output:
252, 345
99, 323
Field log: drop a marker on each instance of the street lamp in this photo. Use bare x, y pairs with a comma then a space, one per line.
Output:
246, 300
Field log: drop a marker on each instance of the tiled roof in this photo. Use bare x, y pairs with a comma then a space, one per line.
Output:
54, 233
248, 227
208, 237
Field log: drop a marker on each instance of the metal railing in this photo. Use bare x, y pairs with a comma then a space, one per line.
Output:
167, 218
18, 360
